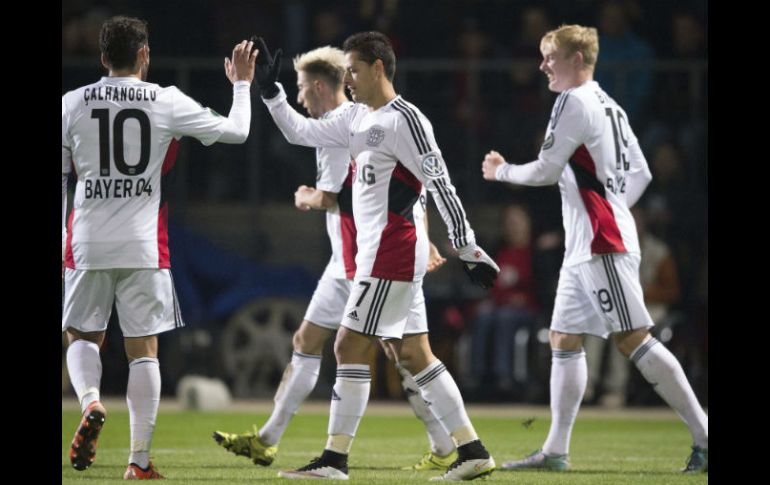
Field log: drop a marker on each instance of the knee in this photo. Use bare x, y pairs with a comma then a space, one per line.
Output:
304, 345
565, 341
627, 342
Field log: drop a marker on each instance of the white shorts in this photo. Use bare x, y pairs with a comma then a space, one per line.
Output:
383, 307
600, 297
328, 303
145, 300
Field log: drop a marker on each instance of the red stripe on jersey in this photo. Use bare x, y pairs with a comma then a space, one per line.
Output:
164, 259
348, 223
404, 175
170, 160
69, 259
395, 256
606, 234
583, 158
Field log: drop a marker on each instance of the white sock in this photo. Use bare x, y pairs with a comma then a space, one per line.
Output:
349, 398
143, 397
440, 392
440, 442
661, 369
568, 383
298, 381
85, 369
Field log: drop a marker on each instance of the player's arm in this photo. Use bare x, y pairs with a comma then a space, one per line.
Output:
415, 146
565, 136
435, 259
306, 198
297, 129
638, 176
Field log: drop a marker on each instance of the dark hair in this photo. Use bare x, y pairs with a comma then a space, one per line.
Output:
120, 39
371, 46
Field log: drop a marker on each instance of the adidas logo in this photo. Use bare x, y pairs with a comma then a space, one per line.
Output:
335, 396
353, 315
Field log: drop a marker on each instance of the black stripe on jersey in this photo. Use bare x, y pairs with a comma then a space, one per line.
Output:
415, 127
424, 380
345, 196
455, 210
623, 303
375, 309
558, 107
417, 121
616, 289
401, 199
585, 180
377, 290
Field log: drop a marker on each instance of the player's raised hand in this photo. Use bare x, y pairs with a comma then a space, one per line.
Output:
241, 67
268, 67
492, 160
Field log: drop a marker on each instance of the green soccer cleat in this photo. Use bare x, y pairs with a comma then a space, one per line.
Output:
248, 445
538, 460
432, 461
698, 461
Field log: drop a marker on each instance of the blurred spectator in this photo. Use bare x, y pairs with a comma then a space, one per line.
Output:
630, 87
510, 309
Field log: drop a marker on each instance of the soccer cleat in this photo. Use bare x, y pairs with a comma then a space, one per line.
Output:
317, 469
538, 460
83, 448
135, 472
469, 469
698, 460
248, 445
432, 461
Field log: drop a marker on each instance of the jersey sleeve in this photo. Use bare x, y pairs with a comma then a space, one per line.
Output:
191, 119
332, 168
300, 130
66, 166
639, 175
566, 132
415, 147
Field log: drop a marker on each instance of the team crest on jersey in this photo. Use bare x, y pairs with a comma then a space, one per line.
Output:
548, 143
432, 166
375, 136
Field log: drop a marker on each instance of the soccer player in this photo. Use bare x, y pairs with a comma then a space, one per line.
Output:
321, 92
592, 152
120, 136
394, 155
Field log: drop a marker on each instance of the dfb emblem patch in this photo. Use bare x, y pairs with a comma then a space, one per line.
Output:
375, 136
432, 166
548, 143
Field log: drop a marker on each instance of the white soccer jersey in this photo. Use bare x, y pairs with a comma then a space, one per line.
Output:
120, 135
394, 154
593, 153
333, 175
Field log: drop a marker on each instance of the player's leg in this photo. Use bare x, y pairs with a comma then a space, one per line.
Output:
88, 297
300, 376
442, 448
573, 315
440, 390
375, 308
656, 363
147, 306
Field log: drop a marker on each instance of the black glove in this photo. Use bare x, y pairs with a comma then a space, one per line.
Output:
479, 267
267, 68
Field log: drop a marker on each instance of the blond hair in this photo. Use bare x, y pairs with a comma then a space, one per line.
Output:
326, 62
572, 39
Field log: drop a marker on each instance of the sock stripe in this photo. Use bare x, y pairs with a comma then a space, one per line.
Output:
427, 378
306, 356
643, 349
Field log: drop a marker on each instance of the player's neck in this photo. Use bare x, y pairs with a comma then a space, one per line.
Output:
383, 97
124, 73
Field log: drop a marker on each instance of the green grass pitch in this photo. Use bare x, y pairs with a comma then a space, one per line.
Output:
639, 447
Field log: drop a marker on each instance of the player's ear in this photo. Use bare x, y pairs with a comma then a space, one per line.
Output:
105, 62
379, 67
